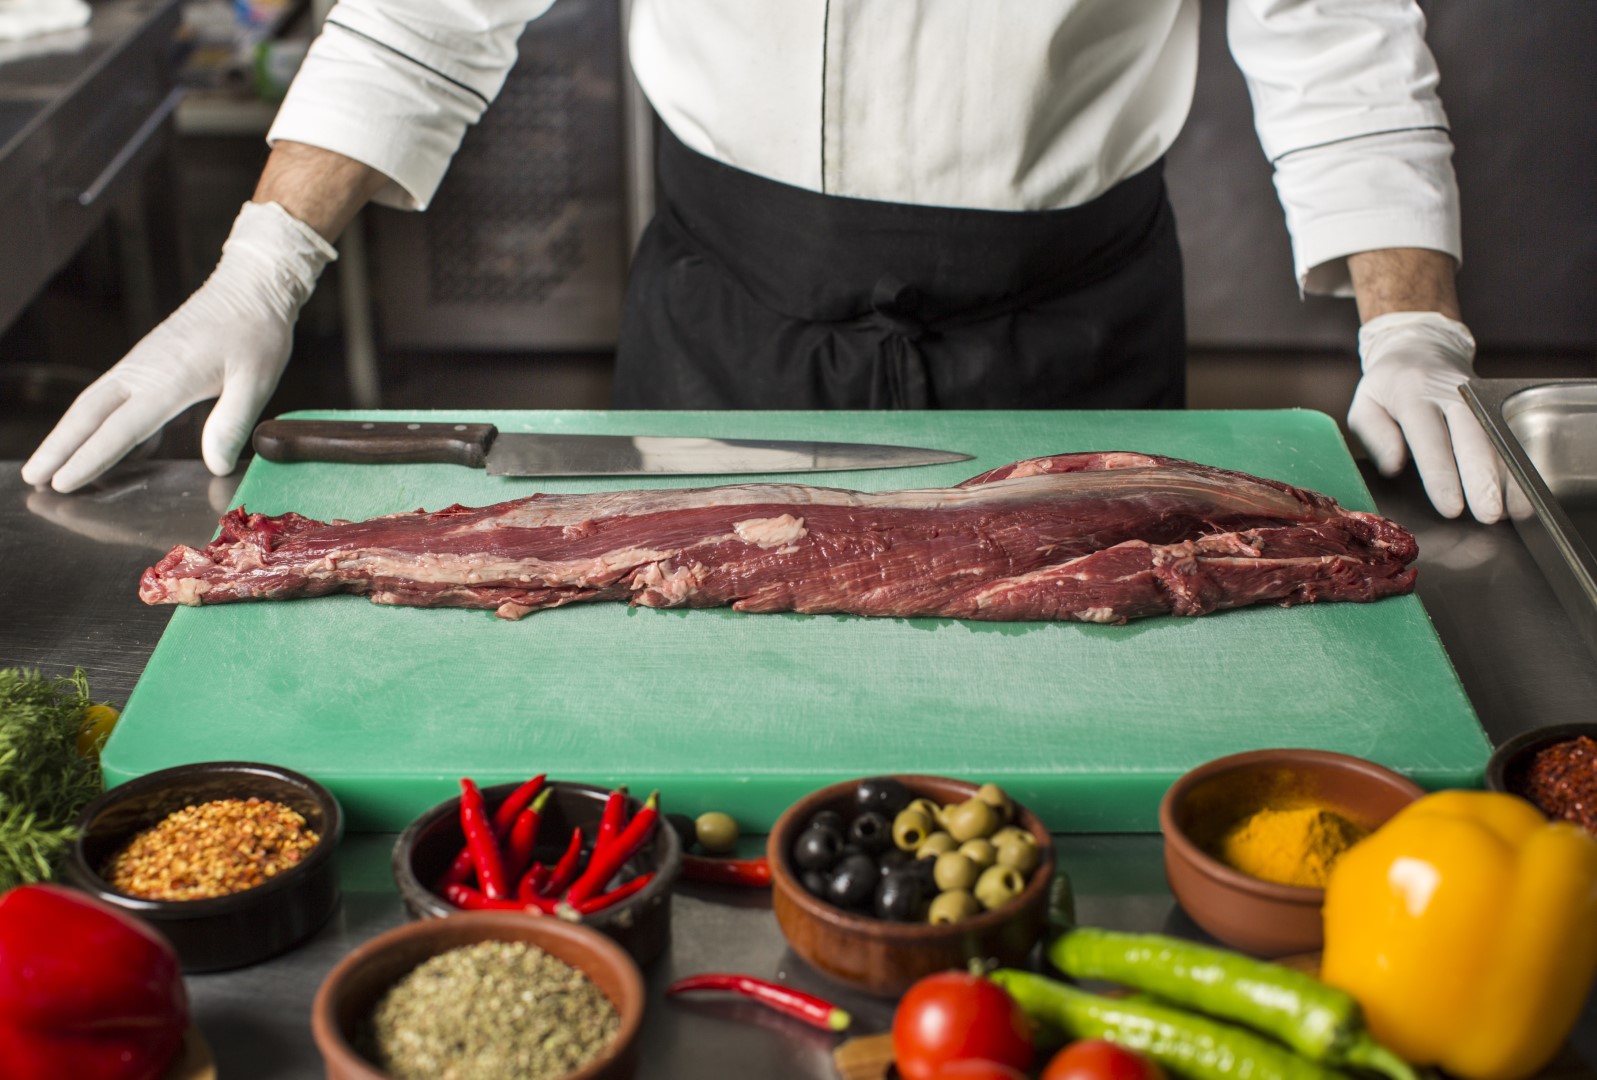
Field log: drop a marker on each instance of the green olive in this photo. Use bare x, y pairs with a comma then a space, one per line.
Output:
953, 871
952, 906
995, 797
979, 851
716, 832
1023, 855
1012, 830
930, 808
998, 885
935, 844
970, 819
910, 828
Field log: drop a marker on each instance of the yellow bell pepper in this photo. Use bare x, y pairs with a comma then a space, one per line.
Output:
1466, 928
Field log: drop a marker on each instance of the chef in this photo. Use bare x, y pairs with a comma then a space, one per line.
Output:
878, 205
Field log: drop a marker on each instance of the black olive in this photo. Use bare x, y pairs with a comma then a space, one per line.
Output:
853, 881
685, 829
893, 858
816, 849
871, 832
882, 794
829, 819
814, 882
898, 896
924, 869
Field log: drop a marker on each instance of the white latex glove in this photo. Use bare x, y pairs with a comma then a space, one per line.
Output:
231, 340
1414, 363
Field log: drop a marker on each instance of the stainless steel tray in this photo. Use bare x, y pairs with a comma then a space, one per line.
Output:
1546, 431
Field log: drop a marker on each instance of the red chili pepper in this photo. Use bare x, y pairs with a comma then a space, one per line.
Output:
614, 896
532, 883
754, 873
606, 861
482, 843
459, 872
505, 813
817, 1012
468, 899
461, 869
566, 868
523, 837
611, 821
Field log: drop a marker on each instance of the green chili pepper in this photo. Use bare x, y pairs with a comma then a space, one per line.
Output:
1194, 1046
1318, 1021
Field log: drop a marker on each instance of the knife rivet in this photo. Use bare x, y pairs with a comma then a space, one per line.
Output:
460, 427
367, 427
412, 427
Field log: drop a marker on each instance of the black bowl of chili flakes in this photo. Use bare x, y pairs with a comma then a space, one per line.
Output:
231, 860
1553, 767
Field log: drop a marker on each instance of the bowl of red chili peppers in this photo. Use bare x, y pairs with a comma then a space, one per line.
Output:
546, 848
1553, 767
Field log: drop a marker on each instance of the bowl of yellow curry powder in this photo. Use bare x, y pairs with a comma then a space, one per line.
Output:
1250, 840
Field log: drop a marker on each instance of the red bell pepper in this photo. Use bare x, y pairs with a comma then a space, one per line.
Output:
85, 990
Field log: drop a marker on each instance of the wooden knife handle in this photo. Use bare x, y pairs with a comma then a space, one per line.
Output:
368, 442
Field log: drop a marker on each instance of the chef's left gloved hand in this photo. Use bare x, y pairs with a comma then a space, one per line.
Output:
1414, 363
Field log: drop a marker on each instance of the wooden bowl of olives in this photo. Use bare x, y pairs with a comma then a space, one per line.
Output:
880, 881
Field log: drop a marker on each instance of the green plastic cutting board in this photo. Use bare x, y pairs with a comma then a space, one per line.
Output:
1088, 724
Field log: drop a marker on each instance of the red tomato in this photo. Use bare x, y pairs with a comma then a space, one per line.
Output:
975, 1069
952, 1016
1100, 1059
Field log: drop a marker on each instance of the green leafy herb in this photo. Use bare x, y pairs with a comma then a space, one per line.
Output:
44, 781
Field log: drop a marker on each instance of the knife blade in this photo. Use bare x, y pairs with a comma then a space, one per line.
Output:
378, 442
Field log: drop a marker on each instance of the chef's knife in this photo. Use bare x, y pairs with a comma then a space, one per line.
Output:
368, 442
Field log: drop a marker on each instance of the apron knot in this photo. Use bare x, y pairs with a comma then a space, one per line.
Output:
902, 380
895, 308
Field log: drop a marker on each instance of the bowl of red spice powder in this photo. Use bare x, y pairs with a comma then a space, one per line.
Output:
231, 860
1553, 767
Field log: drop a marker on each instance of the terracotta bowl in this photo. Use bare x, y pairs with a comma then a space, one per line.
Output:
226, 931
353, 988
882, 957
641, 923
1262, 917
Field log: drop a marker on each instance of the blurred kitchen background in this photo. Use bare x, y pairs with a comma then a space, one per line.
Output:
127, 146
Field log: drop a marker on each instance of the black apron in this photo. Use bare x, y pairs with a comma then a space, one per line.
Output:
746, 293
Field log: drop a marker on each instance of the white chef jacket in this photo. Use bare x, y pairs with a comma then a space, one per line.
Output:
991, 104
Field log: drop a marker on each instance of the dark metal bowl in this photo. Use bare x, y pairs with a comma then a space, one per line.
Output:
226, 931
1507, 762
641, 923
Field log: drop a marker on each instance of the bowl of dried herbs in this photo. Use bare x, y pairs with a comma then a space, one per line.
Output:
488, 993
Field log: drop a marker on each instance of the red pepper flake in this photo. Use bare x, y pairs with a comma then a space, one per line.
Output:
1561, 779
211, 849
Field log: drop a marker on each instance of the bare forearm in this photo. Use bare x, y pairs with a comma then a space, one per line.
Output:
1403, 279
319, 187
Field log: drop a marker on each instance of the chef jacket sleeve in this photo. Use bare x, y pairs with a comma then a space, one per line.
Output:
395, 83
1345, 104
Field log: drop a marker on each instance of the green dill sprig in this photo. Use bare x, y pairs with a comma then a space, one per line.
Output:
44, 781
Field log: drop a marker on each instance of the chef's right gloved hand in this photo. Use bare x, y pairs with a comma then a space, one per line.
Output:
1414, 363
230, 341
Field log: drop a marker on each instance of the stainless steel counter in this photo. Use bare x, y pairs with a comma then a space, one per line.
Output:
84, 115
71, 567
